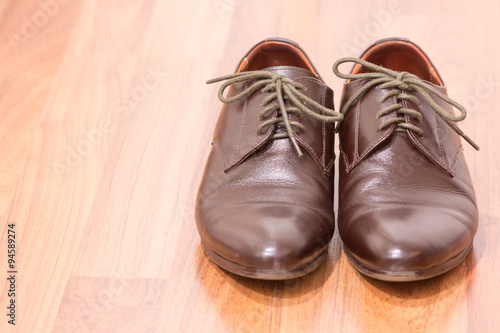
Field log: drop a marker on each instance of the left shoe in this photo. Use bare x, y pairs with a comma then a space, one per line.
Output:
407, 208
265, 204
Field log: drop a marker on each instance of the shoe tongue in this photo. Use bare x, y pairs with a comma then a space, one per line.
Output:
291, 71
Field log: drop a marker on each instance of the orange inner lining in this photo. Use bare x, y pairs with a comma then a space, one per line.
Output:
400, 56
272, 53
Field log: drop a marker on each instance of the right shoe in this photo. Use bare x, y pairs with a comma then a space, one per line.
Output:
407, 208
265, 204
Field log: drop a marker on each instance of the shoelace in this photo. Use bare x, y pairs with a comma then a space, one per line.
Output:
399, 83
281, 88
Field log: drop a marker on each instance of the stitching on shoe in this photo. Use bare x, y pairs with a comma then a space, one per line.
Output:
323, 127
311, 151
440, 144
388, 132
218, 146
329, 166
367, 151
426, 152
356, 129
455, 161
346, 160
298, 70
441, 150
242, 125
317, 159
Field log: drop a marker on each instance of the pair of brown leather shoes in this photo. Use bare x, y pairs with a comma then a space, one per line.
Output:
407, 208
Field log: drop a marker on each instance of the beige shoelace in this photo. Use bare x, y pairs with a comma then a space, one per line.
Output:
398, 84
281, 88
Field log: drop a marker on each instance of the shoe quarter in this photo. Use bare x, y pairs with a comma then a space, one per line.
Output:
319, 136
358, 132
236, 130
439, 143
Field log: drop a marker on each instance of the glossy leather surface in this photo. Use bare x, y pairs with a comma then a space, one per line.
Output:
259, 205
406, 203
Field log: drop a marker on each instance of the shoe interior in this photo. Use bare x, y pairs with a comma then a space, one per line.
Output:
275, 53
400, 56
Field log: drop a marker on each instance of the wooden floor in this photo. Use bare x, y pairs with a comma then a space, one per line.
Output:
105, 127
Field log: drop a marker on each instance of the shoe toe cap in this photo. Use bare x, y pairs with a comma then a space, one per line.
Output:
273, 236
408, 238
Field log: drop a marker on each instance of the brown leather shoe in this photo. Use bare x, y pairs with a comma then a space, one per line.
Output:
407, 208
265, 204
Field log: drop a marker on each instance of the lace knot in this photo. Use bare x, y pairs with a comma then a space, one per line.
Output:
400, 81
278, 77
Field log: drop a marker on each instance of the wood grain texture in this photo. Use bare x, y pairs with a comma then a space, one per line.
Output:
106, 124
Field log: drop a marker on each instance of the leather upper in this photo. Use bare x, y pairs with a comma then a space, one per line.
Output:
260, 204
440, 144
405, 202
236, 130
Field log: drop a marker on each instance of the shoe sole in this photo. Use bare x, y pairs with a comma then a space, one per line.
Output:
266, 274
406, 276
